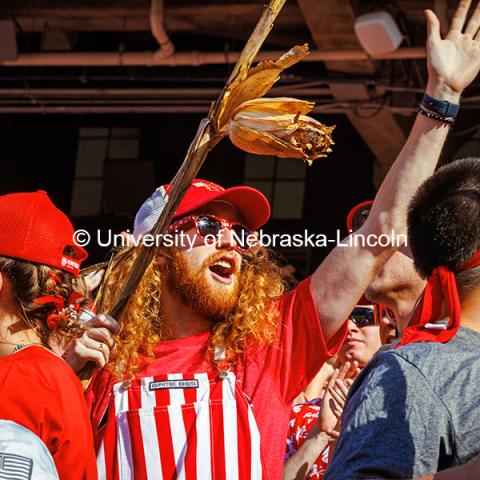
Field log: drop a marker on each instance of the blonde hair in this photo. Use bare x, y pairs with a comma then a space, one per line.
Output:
251, 324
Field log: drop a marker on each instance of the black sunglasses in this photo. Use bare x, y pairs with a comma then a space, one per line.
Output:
211, 226
363, 316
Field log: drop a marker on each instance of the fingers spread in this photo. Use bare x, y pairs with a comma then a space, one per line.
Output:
333, 377
344, 369
458, 20
342, 388
337, 398
433, 25
474, 23
352, 371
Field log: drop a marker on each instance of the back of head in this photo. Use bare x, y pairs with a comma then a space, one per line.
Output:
40, 259
444, 219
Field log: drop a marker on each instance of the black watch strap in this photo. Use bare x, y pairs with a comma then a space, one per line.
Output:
443, 108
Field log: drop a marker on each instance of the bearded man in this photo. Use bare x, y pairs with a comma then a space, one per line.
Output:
210, 353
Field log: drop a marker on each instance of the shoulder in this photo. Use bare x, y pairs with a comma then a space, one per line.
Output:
439, 362
297, 302
41, 367
387, 375
33, 359
424, 371
303, 289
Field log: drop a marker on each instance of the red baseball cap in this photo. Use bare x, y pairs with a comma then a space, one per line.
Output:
32, 228
250, 203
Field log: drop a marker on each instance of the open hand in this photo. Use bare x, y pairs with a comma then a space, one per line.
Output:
331, 408
454, 62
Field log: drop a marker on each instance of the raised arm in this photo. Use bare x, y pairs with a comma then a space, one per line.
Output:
453, 63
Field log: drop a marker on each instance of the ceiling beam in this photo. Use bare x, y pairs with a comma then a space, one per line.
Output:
129, 18
331, 26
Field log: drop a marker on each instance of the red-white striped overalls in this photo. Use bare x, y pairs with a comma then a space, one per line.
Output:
180, 426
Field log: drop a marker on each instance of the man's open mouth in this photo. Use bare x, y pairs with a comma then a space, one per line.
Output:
223, 270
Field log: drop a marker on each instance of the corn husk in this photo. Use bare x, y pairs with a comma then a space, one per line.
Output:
280, 127
253, 83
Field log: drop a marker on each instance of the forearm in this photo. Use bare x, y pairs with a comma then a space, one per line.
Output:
453, 63
298, 465
347, 271
415, 163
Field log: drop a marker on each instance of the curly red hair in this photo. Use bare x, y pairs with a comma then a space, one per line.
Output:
251, 324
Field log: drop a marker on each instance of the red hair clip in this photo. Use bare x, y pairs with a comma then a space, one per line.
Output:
63, 314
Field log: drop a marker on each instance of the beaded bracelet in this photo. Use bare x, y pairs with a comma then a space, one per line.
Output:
434, 116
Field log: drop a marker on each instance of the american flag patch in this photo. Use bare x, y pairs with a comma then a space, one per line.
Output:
15, 467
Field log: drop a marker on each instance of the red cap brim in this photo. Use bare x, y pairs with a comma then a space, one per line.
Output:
252, 205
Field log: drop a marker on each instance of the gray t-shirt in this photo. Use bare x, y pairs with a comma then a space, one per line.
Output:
412, 411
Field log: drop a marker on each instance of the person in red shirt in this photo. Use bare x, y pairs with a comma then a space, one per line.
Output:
39, 310
211, 353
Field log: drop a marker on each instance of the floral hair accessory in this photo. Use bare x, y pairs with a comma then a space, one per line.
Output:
66, 312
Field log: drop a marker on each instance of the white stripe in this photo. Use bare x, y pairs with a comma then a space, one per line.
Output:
202, 422
149, 432
177, 396
150, 445
125, 460
230, 437
256, 465
179, 438
121, 398
148, 398
203, 392
101, 467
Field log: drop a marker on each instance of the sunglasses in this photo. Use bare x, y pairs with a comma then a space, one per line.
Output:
211, 226
363, 316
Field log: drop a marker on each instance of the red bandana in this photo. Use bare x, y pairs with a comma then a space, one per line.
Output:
440, 286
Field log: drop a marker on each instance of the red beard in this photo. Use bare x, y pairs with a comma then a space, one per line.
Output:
195, 290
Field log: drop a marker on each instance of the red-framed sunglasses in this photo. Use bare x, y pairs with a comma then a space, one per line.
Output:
210, 225
367, 315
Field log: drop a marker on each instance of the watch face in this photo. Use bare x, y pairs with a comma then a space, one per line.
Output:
358, 215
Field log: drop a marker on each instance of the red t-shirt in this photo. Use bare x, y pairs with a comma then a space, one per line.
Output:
40, 391
271, 377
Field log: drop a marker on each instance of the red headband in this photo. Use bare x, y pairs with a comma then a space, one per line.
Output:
440, 286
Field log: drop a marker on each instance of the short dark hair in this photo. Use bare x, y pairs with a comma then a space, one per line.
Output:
444, 217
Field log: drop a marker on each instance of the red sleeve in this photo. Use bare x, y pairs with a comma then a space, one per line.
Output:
98, 397
42, 393
301, 348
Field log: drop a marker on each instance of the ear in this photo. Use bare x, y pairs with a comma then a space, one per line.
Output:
2, 281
